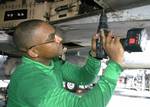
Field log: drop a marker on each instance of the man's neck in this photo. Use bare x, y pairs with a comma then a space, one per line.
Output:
43, 61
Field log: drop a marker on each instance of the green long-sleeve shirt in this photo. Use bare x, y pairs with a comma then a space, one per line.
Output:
36, 85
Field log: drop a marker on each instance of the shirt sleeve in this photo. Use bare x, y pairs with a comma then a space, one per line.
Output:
81, 75
96, 97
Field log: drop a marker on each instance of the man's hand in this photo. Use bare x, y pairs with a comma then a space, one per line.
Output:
93, 45
113, 48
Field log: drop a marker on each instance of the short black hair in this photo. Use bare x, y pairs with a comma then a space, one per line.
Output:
24, 32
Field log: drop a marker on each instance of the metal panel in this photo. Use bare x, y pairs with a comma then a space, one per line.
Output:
121, 4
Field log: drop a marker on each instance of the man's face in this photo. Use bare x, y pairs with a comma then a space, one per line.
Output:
47, 43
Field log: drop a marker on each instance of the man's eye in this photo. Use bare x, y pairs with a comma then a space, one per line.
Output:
52, 36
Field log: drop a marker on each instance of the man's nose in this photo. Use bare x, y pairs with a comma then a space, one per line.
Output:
58, 39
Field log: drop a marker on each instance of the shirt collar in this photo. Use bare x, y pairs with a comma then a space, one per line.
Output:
38, 64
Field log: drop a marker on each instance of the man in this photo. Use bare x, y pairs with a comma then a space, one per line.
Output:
37, 82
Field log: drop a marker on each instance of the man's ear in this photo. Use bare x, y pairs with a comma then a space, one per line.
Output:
32, 53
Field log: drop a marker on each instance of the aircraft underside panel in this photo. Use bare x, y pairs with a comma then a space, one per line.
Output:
16, 11
113, 5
